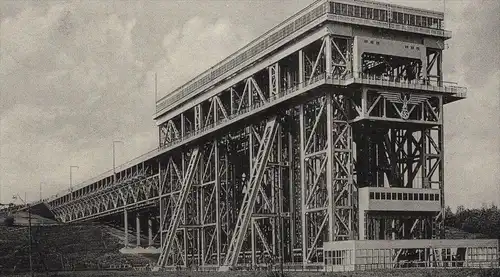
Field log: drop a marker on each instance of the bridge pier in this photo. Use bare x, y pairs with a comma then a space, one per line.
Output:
150, 232
125, 228
138, 229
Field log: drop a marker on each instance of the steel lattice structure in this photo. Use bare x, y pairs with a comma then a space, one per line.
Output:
267, 156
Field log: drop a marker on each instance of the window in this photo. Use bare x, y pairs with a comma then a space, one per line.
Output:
415, 196
343, 9
363, 12
337, 8
426, 196
369, 13
377, 195
400, 196
418, 20
437, 197
405, 196
406, 19
420, 196
412, 19
394, 195
383, 195
400, 18
432, 197
372, 195
357, 11
383, 15
350, 10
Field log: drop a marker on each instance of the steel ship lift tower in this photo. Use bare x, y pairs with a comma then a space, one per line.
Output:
319, 145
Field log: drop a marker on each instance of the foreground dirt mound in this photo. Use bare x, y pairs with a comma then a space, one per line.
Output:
63, 247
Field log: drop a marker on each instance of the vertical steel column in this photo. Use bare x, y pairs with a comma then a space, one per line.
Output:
251, 142
161, 193
303, 186
150, 232
217, 201
138, 229
292, 200
125, 225
330, 166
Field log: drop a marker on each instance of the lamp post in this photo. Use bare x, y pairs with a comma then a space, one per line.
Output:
71, 180
41, 191
114, 162
29, 230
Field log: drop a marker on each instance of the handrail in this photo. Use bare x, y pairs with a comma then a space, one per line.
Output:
247, 52
275, 35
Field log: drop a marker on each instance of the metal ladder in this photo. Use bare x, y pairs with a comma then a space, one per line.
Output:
248, 203
174, 222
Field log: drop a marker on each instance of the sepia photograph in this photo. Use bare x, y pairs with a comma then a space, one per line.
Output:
250, 138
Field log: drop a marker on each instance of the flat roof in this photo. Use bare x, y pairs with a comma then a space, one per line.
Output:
258, 45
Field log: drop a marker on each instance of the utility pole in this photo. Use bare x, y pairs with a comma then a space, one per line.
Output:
114, 162
71, 180
29, 231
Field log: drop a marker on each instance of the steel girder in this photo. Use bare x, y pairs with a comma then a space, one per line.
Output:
140, 188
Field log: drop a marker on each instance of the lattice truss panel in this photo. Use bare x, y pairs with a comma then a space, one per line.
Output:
409, 157
137, 186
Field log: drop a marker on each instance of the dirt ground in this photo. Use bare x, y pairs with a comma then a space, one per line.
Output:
378, 273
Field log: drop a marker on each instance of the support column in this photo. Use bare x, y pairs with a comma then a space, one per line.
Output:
330, 166
150, 232
303, 181
138, 229
301, 68
125, 220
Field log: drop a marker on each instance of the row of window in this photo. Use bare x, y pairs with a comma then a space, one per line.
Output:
383, 15
404, 196
378, 43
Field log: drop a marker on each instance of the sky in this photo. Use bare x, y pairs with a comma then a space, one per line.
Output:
76, 75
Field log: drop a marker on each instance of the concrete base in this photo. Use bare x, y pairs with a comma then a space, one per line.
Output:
140, 250
385, 254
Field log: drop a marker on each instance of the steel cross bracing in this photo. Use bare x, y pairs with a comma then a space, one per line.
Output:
138, 188
250, 195
178, 208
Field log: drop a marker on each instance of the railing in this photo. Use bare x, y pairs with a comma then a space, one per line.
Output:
420, 84
273, 36
248, 52
389, 25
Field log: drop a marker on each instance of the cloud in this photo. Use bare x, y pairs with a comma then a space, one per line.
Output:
195, 47
80, 77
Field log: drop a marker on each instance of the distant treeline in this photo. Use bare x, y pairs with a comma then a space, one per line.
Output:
485, 220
